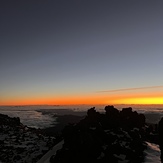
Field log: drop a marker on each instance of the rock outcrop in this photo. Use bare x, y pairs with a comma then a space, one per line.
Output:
19, 143
116, 136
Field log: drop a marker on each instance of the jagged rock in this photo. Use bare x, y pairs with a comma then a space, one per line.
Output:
18, 142
100, 138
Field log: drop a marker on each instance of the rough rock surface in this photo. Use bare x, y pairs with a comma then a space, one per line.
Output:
19, 143
116, 136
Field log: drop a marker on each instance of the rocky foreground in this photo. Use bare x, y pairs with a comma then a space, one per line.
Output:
21, 144
116, 137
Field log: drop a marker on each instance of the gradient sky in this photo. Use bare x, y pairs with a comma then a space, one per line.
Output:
76, 51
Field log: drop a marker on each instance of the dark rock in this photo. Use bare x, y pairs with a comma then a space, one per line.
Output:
101, 138
160, 130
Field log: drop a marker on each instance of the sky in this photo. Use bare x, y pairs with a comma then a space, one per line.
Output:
81, 52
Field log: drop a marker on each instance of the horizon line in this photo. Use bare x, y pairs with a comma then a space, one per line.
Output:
76, 104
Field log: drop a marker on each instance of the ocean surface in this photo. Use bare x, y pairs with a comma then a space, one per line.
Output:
42, 116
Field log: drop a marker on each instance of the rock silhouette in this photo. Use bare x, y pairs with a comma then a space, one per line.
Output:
160, 130
100, 138
20, 143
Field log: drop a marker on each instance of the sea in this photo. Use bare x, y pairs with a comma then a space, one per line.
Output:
42, 116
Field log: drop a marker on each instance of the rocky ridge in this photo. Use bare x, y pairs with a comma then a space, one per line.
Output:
21, 144
116, 136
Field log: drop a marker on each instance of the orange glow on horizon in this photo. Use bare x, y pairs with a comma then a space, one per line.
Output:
94, 99
144, 100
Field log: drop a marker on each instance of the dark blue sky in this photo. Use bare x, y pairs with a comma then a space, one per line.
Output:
58, 48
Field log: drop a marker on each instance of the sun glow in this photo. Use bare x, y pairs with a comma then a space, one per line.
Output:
70, 101
94, 98
144, 100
